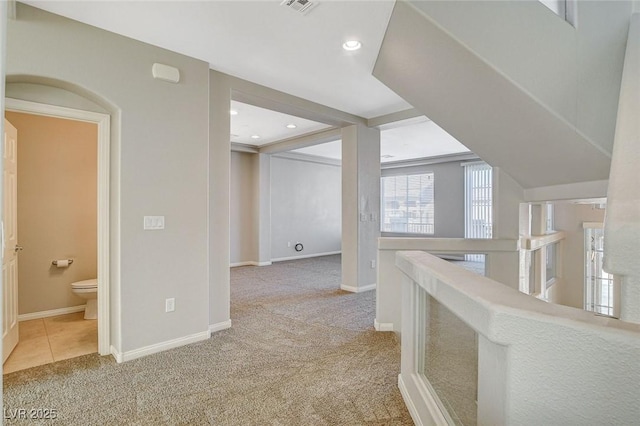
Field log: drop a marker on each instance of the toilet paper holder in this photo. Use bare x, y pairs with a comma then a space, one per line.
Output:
55, 262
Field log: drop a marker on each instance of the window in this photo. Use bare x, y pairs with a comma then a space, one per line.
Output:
550, 228
407, 204
478, 204
550, 262
600, 290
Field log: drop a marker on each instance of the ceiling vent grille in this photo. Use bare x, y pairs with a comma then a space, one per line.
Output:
300, 6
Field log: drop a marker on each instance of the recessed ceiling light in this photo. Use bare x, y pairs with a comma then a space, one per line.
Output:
233, 112
352, 45
255, 136
291, 126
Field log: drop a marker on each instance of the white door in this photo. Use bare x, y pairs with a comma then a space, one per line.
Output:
10, 243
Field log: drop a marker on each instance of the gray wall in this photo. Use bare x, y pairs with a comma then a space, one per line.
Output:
306, 207
244, 207
575, 71
510, 124
448, 194
159, 166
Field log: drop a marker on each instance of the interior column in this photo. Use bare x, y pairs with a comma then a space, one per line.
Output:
360, 206
264, 209
219, 200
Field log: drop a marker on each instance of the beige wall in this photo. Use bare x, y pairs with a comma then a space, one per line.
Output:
244, 207
57, 182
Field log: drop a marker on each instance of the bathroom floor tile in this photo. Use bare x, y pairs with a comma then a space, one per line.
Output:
74, 343
29, 353
47, 340
68, 323
31, 329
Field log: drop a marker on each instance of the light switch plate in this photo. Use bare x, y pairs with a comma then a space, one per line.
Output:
153, 222
170, 305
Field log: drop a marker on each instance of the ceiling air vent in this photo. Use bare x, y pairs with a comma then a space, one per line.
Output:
300, 6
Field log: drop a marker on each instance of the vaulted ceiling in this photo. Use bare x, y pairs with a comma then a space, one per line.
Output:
263, 42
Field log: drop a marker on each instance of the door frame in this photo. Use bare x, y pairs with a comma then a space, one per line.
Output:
103, 122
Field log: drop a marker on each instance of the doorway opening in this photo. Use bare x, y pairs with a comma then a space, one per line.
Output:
100, 124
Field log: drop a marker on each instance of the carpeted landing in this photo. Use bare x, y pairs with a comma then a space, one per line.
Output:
300, 352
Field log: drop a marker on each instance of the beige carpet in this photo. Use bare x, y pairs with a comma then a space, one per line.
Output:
301, 352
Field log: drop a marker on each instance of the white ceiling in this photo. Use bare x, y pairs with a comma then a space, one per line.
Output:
270, 125
404, 140
417, 138
263, 42
272, 45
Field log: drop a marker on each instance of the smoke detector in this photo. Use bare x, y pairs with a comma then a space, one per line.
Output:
300, 6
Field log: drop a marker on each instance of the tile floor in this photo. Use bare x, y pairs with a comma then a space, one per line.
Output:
47, 340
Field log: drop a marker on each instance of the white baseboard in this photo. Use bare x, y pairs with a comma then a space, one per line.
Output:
382, 326
159, 347
249, 263
358, 289
219, 326
116, 354
306, 256
51, 313
409, 402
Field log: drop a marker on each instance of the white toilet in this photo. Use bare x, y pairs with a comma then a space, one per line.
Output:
88, 289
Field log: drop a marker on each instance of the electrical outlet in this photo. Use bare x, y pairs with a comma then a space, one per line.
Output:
373, 264
170, 305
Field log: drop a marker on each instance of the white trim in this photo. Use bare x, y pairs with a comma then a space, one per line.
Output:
219, 326
249, 263
18, 105
409, 402
117, 355
51, 313
382, 326
103, 121
306, 256
422, 401
309, 158
358, 289
159, 347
